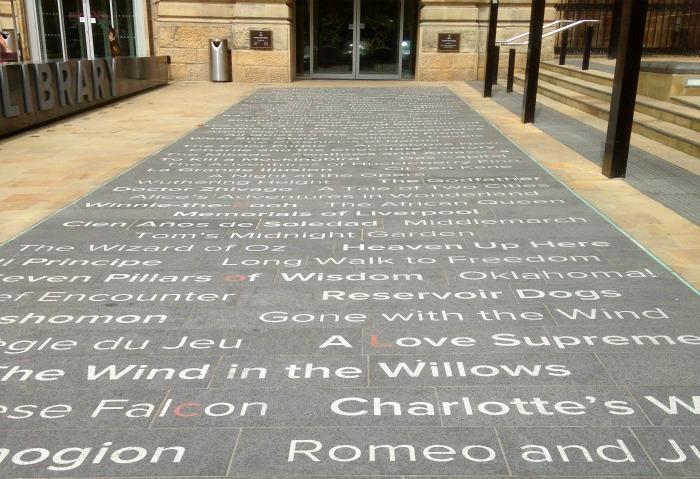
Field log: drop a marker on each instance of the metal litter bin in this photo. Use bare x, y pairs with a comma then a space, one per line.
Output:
219, 60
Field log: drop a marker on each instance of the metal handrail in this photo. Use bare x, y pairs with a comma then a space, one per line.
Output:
544, 27
569, 24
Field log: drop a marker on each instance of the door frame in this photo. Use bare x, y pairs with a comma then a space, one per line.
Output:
357, 32
87, 25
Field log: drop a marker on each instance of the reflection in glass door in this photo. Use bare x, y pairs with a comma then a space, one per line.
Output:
100, 21
124, 21
334, 38
70, 29
379, 31
51, 26
357, 38
74, 28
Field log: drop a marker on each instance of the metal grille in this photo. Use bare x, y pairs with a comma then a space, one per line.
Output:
673, 26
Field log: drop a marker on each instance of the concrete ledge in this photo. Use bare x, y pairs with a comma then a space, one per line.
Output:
671, 68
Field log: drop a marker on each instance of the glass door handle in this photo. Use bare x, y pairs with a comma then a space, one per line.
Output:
362, 25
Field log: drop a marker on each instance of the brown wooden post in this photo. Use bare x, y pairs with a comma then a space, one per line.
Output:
511, 70
587, 45
563, 47
614, 29
532, 70
490, 43
497, 60
624, 94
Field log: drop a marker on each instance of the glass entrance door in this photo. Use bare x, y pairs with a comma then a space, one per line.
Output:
74, 29
100, 22
356, 39
379, 31
334, 38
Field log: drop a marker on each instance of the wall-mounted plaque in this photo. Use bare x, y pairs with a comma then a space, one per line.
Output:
448, 42
261, 40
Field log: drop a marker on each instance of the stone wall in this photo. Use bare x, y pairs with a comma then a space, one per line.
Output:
5, 15
7, 24
187, 44
182, 31
184, 28
263, 66
470, 19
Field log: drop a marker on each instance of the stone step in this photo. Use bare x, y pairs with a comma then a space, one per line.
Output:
593, 76
670, 134
691, 84
671, 112
687, 101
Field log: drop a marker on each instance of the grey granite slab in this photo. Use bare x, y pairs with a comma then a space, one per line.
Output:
377, 273
559, 451
669, 406
674, 450
358, 451
116, 453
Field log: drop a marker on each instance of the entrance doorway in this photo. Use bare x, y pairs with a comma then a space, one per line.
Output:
356, 39
75, 29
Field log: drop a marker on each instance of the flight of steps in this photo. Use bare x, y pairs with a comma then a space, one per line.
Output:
675, 123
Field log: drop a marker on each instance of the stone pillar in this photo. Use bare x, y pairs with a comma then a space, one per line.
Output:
263, 66
438, 16
470, 18
183, 31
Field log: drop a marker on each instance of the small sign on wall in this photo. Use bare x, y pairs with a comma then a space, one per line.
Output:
261, 40
448, 42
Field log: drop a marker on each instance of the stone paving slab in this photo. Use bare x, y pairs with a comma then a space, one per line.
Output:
342, 283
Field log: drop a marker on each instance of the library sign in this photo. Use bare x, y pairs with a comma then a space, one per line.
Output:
35, 93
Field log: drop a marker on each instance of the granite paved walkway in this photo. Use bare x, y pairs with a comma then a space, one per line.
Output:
343, 282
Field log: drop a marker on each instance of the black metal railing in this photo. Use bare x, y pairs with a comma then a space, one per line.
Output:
672, 27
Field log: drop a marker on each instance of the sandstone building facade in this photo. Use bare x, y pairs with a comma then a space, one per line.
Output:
371, 39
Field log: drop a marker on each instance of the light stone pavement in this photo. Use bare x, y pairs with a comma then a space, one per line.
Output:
346, 282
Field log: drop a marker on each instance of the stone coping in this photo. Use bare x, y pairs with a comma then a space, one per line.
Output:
672, 68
